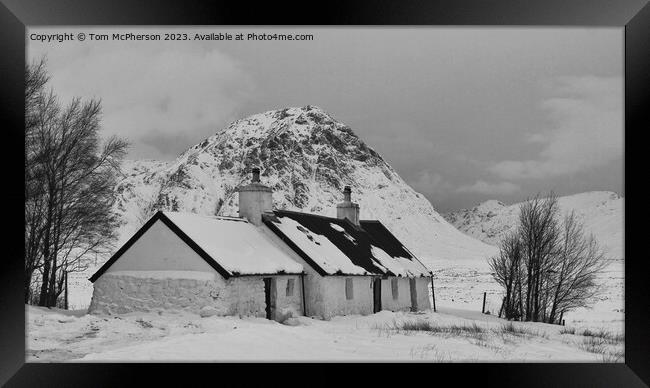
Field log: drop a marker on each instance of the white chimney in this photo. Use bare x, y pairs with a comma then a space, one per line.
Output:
255, 199
347, 208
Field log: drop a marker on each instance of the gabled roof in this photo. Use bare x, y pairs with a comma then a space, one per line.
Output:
232, 246
335, 246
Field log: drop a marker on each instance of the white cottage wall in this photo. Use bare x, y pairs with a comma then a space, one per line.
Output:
403, 302
328, 297
422, 288
288, 305
246, 296
119, 293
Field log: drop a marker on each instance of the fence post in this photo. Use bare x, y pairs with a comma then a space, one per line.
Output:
483, 309
433, 293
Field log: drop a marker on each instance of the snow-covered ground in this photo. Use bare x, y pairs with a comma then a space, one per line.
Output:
602, 212
448, 335
461, 285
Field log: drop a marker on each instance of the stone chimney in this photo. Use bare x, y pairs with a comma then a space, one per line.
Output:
254, 199
347, 208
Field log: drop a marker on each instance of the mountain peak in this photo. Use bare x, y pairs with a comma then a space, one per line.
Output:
304, 141
286, 114
299, 123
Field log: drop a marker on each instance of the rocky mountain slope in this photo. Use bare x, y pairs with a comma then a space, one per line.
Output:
601, 212
307, 157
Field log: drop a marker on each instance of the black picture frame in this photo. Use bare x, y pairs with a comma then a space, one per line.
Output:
16, 15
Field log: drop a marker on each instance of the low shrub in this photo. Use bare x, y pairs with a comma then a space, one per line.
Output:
568, 330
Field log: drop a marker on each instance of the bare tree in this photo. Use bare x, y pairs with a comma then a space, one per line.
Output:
538, 232
506, 269
547, 266
71, 189
41, 110
579, 261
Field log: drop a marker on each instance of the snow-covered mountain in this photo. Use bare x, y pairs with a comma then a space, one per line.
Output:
307, 157
601, 212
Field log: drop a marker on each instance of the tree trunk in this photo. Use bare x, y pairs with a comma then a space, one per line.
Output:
555, 300
28, 284
54, 291
536, 295
45, 281
43, 298
66, 290
529, 290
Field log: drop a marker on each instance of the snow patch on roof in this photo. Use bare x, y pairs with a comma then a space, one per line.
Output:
400, 266
236, 245
319, 248
339, 228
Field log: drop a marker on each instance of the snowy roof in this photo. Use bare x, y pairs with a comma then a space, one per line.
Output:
232, 246
338, 247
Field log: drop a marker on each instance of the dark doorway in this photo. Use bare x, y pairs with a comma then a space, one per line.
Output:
269, 297
376, 295
414, 295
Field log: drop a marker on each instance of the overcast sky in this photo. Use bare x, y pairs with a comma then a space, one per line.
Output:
463, 114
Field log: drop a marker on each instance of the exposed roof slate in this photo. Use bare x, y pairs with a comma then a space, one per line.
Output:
335, 246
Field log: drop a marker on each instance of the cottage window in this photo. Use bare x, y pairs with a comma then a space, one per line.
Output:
394, 286
290, 287
348, 289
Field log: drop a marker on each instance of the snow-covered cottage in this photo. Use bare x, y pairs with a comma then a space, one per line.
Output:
267, 263
222, 265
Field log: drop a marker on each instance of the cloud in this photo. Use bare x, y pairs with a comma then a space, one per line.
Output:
483, 187
154, 89
432, 183
166, 143
587, 113
536, 138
